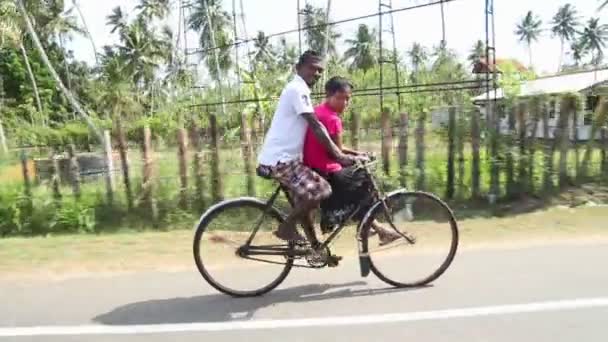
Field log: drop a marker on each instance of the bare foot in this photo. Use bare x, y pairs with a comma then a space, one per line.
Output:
288, 233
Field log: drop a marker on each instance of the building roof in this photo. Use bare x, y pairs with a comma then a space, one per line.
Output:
482, 66
557, 84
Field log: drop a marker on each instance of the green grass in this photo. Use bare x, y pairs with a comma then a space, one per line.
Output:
127, 251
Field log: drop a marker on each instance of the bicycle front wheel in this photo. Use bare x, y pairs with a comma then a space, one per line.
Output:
220, 234
429, 245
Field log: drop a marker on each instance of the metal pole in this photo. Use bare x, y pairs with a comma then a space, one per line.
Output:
299, 29
395, 57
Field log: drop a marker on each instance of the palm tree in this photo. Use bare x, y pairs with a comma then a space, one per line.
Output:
319, 36
262, 49
578, 52
212, 23
86, 30
418, 55
594, 38
564, 26
529, 31
154, 9
477, 53
362, 49
62, 26
12, 31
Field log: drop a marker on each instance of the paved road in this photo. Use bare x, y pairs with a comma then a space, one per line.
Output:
551, 293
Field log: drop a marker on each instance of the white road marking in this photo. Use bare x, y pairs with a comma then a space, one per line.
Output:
583, 303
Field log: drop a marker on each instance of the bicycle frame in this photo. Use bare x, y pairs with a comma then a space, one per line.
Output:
288, 250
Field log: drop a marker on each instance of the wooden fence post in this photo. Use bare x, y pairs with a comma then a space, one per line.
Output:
534, 110
494, 119
420, 130
55, 176
387, 140
475, 146
148, 182
109, 163
27, 182
451, 149
74, 171
355, 127
216, 182
509, 161
247, 150
604, 151
460, 141
564, 139
522, 170
547, 150
577, 165
182, 141
198, 168
124, 161
403, 136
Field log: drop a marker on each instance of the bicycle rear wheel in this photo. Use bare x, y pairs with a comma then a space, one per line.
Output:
421, 216
226, 227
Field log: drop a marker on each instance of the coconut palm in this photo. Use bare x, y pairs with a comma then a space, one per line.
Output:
213, 25
418, 56
477, 53
12, 31
319, 36
578, 52
263, 51
594, 38
529, 30
564, 26
154, 9
86, 29
362, 51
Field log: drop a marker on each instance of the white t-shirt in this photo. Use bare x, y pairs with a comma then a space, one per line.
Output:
285, 138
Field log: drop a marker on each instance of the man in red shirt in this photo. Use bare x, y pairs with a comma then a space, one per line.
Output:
350, 187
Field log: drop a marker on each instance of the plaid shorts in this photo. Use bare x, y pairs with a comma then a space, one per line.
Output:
302, 182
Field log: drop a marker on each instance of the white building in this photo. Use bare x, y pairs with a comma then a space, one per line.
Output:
585, 83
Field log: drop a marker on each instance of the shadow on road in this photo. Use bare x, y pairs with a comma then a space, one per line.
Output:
220, 308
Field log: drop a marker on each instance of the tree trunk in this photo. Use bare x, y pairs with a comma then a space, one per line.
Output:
387, 142
604, 153
30, 74
561, 55
355, 128
475, 146
598, 122
86, 30
246, 149
27, 182
216, 181
494, 121
420, 167
74, 171
148, 181
403, 147
3, 145
182, 143
45, 58
451, 152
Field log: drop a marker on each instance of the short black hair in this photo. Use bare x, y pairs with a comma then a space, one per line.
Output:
308, 56
336, 84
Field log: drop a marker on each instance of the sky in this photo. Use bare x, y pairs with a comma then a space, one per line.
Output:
465, 24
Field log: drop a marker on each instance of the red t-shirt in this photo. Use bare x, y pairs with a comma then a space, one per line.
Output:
315, 154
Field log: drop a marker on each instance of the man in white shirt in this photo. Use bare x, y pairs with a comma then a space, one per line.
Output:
281, 153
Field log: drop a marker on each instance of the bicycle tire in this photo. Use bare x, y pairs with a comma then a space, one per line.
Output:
377, 208
208, 217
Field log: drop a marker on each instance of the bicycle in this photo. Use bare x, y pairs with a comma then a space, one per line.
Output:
319, 257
